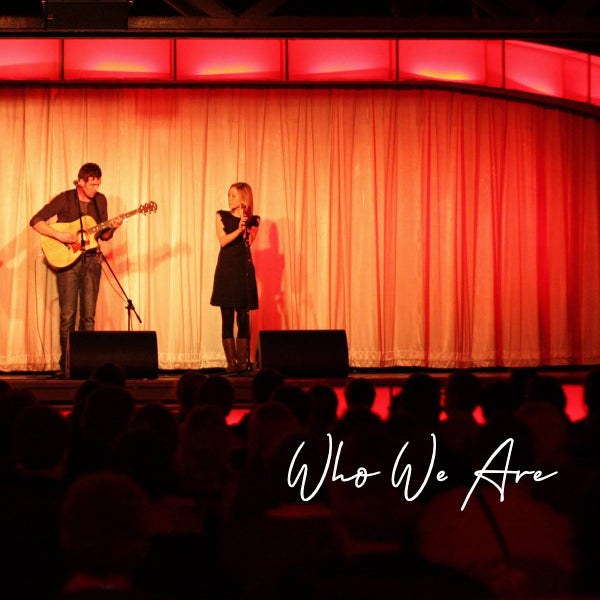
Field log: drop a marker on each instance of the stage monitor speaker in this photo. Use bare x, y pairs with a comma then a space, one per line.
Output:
305, 353
86, 14
136, 352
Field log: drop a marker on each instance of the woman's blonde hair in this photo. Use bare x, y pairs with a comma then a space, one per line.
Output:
246, 193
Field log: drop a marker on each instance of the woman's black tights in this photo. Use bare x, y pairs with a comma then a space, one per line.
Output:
243, 322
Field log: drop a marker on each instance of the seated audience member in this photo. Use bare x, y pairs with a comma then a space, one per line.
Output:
518, 381
186, 526
269, 424
550, 429
552, 452
12, 404
517, 546
156, 417
586, 432
377, 558
296, 399
356, 419
186, 392
586, 524
40, 442
109, 374
264, 382
498, 398
103, 532
84, 390
29, 505
323, 409
462, 396
75, 417
106, 414
546, 389
145, 457
216, 391
420, 396
290, 533
202, 458
359, 392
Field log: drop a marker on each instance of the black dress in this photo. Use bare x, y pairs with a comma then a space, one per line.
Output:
235, 280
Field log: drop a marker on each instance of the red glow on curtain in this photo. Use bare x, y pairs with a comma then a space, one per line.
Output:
30, 59
342, 60
546, 70
118, 59
478, 62
230, 59
438, 228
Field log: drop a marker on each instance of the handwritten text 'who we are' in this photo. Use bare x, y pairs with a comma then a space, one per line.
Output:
297, 476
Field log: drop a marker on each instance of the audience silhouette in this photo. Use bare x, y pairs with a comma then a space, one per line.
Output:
123, 501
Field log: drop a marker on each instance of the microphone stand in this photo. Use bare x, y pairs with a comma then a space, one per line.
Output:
246, 235
129, 307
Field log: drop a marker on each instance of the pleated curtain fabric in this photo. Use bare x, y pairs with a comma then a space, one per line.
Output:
437, 228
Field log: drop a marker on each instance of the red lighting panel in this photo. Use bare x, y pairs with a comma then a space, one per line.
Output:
110, 59
29, 59
342, 60
478, 62
546, 70
595, 80
230, 59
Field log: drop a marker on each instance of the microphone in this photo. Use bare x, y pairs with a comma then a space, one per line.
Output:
245, 214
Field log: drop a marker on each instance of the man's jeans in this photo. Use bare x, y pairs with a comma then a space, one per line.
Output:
79, 283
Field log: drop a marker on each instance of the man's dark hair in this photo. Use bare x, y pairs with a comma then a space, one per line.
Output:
89, 170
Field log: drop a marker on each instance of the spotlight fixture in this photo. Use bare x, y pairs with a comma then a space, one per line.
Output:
86, 15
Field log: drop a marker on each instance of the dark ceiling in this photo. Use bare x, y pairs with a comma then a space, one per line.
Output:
383, 8
568, 23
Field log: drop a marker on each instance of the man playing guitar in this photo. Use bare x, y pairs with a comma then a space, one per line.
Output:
78, 284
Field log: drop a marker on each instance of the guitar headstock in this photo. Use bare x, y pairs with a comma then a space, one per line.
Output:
149, 207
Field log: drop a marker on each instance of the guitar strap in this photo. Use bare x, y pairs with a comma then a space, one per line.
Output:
80, 223
83, 244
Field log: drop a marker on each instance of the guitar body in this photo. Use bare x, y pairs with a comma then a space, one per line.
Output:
59, 255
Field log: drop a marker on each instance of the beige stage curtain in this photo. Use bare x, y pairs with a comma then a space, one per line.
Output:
438, 228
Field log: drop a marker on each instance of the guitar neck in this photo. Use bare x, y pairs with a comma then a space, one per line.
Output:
105, 224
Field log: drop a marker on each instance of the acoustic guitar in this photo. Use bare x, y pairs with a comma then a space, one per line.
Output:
60, 255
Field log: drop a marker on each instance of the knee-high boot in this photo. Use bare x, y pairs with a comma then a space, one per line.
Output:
242, 353
229, 347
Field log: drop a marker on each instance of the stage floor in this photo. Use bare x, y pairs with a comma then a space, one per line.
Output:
387, 382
